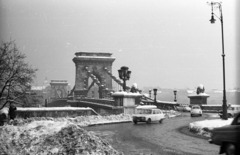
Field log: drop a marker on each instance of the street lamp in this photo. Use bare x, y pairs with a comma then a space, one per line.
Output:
150, 93
175, 95
124, 74
212, 20
155, 95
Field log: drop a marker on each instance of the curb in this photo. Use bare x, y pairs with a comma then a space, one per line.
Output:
118, 122
106, 123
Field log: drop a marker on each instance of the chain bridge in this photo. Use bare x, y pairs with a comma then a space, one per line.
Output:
94, 84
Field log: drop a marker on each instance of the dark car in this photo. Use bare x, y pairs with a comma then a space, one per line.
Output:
227, 137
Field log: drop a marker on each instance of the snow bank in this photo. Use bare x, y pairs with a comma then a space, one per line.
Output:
52, 108
203, 127
41, 135
46, 135
43, 139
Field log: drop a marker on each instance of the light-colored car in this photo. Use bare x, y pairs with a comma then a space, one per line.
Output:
183, 108
148, 114
232, 111
196, 111
186, 108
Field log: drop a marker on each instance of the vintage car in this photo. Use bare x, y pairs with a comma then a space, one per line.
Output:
184, 108
196, 111
232, 111
228, 137
148, 113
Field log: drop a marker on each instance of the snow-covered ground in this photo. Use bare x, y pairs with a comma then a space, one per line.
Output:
203, 127
47, 135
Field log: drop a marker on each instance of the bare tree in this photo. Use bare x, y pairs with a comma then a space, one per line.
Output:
15, 74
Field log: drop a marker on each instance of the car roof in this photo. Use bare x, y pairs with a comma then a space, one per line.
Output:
147, 107
234, 105
195, 106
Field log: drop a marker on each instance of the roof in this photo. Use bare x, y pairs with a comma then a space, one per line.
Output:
198, 95
93, 54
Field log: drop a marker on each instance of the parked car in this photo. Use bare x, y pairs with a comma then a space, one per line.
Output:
196, 111
186, 108
227, 137
148, 114
183, 108
232, 111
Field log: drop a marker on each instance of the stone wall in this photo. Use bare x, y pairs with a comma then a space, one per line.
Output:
54, 112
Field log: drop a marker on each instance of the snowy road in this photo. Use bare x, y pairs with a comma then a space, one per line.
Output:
155, 138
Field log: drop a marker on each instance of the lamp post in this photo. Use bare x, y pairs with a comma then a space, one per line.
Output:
150, 93
124, 74
175, 95
155, 95
212, 20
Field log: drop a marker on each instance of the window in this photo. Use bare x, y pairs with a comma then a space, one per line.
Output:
238, 121
144, 111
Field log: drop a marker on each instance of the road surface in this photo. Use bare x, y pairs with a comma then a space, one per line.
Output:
155, 138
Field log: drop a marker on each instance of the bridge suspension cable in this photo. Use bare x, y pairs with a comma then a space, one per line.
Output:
118, 81
94, 78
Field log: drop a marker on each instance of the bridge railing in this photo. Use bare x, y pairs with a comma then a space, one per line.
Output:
100, 101
161, 104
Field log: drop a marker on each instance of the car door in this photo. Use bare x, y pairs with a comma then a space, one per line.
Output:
158, 115
153, 115
233, 133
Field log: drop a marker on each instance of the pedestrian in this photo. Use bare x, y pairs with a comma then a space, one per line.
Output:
12, 111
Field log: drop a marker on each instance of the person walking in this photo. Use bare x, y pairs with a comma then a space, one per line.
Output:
12, 111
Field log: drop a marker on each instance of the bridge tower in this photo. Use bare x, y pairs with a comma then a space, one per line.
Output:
59, 89
92, 71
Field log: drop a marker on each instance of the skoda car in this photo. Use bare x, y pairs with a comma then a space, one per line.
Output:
148, 114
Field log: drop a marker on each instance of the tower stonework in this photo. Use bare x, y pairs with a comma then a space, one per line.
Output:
59, 89
91, 70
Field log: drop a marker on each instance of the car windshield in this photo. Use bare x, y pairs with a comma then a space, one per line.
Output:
144, 111
195, 107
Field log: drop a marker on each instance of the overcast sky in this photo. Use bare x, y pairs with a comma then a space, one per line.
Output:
165, 43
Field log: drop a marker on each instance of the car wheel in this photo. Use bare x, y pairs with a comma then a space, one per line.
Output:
191, 115
149, 121
161, 121
230, 149
135, 122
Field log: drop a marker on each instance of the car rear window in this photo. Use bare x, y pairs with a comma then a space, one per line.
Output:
144, 111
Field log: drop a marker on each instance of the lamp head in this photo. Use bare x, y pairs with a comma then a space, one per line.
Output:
155, 91
175, 92
128, 75
120, 72
212, 20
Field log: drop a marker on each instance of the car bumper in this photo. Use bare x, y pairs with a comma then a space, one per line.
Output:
196, 114
139, 119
